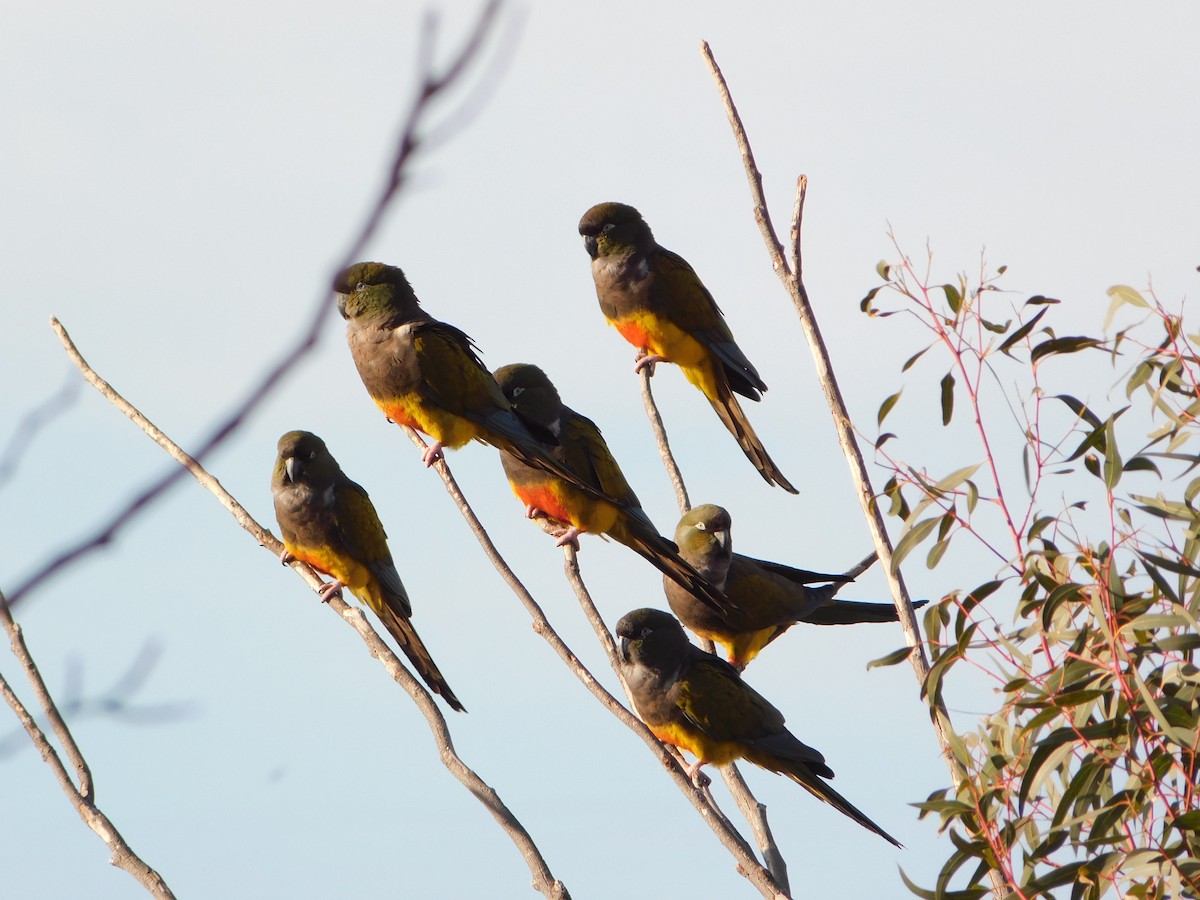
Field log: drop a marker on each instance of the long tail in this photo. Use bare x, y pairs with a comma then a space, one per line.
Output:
406, 636
807, 779
730, 411
641, 537
851, 612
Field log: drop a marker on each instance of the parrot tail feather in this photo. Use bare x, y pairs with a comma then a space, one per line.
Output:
406, 636
800, 773
731, 413
640, 537
851, 612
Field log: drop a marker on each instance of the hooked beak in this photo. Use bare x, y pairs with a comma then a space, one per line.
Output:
289, 468
722, 537
591, 245
623, 648
341, 305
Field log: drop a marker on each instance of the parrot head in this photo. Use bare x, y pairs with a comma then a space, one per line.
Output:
532, 395
704, 540
651, 638
373, 291
614, 229
303, 459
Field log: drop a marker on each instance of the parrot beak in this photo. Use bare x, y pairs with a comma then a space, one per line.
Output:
722, 537
341, 305
289, 467
590, 244
623, 648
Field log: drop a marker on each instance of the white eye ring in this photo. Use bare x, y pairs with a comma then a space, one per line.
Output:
517, 392
361, 286
700, 526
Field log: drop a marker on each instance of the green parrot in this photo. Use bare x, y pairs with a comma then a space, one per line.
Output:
658, 303
699, 703
766, 598
581, 449
329, 522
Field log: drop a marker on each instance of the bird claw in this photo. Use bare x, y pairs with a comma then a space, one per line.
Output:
568, 536
646, 361
286, 558
532, 512
698, 778
329, 589
432, 454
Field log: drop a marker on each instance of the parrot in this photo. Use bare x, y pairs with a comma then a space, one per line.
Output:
699, 703
767, 598
581, 449
659, 304
329, 522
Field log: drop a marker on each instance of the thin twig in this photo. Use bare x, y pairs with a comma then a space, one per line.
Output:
431, 88
793, 281
543, 879
754, 811
664, 446
81, 796
747, 865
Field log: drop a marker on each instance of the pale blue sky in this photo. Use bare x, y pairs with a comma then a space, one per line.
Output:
177, 181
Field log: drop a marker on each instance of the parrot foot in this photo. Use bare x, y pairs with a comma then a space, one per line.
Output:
532, 512
285, 558
568, 536
698, 778
646, 361
329, 589
432, 454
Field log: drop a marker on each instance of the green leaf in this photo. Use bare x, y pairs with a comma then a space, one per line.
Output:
911, 539
1021, 333
891, 659
1062, 345
1121, 295
886, 406
1080, 409
947, 398
1189, 821
908, 364
1039, 300
884, 438
953, 297
1112, 457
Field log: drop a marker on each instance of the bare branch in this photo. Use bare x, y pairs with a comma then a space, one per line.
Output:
432, 88
747, 865
80, 796
794, 284
543, 880
664, 446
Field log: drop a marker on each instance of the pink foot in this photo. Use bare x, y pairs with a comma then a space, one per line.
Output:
432, 454
569, 536
698, 778
646, 360
286, 558
329, 589
532, 512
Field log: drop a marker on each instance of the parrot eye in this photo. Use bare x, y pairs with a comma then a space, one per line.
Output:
700, 526
607, 228
361, 286
517, 392
312, 454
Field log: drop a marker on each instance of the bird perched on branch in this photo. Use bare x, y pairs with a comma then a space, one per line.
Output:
581, 449
765, 598
699, 703
426, 374
658, 303
329, 522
